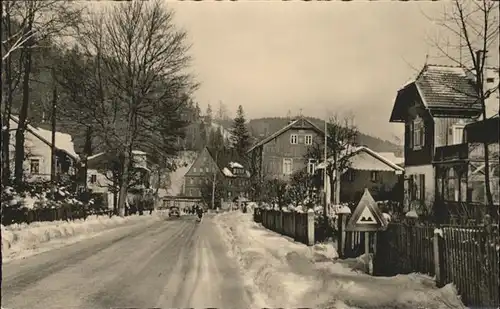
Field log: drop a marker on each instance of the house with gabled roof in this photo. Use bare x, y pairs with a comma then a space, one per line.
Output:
38, 152
367, 169
219, 166
282, 153
435, 107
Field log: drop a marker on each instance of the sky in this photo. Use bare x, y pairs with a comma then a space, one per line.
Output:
314, 58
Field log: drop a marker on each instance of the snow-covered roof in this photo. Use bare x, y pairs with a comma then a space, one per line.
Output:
363, 158
391, 156
227, 172
235, 165
136, 152
63, 141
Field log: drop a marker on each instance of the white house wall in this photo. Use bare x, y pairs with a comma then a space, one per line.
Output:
34, 149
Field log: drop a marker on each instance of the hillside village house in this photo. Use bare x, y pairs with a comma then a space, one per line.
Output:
367, 169
38, 153
282, 153
435, 108
221, 164
99, 174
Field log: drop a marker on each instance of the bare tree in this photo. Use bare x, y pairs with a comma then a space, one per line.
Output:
475, 25
342, 136
138, 82
40, 21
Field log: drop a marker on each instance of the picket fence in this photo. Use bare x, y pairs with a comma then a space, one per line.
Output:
468, 257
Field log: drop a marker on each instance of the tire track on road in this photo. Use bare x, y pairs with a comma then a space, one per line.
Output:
19, 280
64, 259
142, 285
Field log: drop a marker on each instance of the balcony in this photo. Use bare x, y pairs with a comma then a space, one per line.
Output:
451, 153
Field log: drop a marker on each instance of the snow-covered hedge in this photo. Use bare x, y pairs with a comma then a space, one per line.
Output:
20, 237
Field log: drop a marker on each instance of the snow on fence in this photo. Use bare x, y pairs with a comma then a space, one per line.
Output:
297, 225
467, 257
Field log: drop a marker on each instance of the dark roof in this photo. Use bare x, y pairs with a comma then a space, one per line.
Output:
300, 120
443, 86
439, 87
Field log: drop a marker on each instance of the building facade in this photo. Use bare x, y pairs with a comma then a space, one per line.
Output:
283, 152
217, 167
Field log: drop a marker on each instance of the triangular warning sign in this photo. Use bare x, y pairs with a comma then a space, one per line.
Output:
367, 216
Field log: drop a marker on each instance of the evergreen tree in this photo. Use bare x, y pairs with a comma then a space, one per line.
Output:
208, 115
240, 138
197, 111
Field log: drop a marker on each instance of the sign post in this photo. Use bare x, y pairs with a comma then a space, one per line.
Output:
366, 218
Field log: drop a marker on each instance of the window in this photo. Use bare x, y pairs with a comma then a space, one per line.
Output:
457, 134
490, 80
207, 169
418, 136
451, 189
229, 194
35, 166
287, 166
191, 181
350, 175
93, 178
309, 139
194, 169
374, 176
311, 166
293, 139
230, 182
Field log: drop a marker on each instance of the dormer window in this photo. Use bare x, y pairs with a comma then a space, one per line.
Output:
417, 133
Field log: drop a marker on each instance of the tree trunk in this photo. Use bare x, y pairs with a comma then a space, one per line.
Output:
23, 114
7, 103
87, 150
122, 197
489, 196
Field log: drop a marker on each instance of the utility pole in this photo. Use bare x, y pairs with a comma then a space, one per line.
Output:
214, 179
53, 166
325, 184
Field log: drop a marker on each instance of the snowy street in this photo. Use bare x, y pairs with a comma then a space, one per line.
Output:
160, 263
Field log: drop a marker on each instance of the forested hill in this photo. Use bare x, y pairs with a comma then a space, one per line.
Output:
263, 127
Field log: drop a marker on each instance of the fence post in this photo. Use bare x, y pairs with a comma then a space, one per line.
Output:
294, 230
310, 227
437, 263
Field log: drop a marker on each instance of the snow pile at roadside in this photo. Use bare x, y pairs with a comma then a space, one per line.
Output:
17, 238
289, 274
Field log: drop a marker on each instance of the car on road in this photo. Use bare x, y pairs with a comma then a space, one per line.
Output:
174, 212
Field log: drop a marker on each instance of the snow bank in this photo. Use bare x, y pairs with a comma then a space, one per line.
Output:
288, 274
17, 238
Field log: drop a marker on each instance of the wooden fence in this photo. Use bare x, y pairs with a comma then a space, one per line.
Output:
299, 226
355, 244
467, 257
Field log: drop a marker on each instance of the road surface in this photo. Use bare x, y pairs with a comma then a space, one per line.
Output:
166, 264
